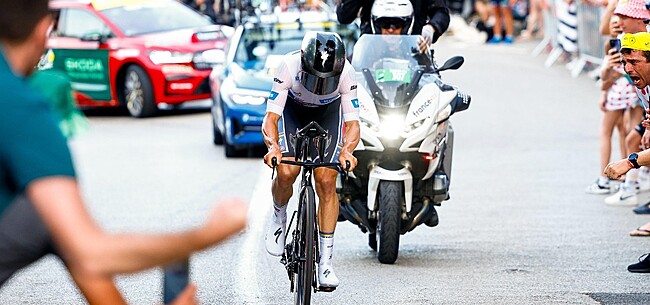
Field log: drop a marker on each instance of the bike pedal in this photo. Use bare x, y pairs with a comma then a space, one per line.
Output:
326, 289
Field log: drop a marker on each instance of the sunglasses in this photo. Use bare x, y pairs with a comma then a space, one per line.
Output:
391, 23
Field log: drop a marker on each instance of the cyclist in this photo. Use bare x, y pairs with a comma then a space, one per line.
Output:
315, 84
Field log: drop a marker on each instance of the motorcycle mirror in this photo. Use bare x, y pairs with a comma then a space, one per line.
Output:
452, 63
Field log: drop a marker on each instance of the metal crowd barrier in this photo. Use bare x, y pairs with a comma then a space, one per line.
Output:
591, 44
550, 36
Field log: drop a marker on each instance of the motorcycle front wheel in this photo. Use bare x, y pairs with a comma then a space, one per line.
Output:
391, 194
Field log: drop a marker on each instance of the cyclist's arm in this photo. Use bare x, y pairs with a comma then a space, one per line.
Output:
270, 130
350, 109
351, 137
89, 250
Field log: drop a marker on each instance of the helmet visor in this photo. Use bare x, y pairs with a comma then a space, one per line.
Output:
319, 85
391, 23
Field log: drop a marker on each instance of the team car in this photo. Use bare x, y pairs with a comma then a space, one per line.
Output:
240, 89
135, 53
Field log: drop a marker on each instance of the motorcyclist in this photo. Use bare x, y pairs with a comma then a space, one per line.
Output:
431, 18
315, 84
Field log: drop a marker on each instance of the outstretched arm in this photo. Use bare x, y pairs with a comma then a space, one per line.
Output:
348, 10
350, 141
91, 252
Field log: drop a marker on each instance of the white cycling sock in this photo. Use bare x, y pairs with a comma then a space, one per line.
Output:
602, 180
326, 241
279, 213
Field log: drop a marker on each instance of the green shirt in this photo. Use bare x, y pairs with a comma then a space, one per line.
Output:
31, 144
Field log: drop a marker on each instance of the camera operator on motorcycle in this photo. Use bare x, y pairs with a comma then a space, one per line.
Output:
430, 21
315, 84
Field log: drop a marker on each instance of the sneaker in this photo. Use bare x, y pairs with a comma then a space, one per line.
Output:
326, 276
508, 40
643, 266
275, 238
643, 184
622, 198
494, 39
596, 188
643, 209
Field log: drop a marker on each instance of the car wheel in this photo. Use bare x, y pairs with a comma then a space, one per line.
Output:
217, 136
138, 93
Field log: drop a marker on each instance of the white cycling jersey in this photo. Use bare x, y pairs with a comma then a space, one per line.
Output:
287, 83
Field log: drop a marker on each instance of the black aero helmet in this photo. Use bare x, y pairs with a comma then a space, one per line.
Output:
322, 56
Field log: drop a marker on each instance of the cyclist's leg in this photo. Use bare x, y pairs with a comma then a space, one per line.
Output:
282, 185
23, 238
328, 210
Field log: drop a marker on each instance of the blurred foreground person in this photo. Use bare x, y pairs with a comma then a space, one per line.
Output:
41, 210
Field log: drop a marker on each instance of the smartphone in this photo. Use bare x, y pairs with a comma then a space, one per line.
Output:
615, 43
176, 276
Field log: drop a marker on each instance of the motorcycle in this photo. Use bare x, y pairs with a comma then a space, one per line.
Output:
406, 147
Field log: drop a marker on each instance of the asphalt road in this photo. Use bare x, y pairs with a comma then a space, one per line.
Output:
518, 228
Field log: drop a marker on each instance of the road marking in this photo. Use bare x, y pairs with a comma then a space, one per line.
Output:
258, 210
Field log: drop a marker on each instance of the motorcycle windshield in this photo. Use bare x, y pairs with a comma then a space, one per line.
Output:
388, 63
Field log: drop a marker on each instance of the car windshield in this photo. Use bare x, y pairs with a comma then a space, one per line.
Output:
261, 46
154, 17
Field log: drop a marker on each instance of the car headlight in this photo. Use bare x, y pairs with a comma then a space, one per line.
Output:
208, 59
247, 99
169, 57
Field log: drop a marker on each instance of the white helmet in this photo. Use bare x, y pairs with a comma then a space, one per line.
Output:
392, 13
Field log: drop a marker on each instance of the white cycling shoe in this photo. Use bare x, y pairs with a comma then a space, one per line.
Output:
275, 238
326, 277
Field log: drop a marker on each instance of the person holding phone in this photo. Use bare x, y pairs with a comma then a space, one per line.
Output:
636, 62
631, 14
617, 94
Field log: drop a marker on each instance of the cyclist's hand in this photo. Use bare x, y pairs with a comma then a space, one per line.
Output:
274, 152
347, 156
186, 297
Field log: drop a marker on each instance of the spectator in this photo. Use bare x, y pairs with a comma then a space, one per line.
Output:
567, 26
617, 94
636, 55
535, 20
55, 86
631, 14
502, 18
41, 209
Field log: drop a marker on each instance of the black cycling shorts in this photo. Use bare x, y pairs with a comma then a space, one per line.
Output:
23, 238
295, 116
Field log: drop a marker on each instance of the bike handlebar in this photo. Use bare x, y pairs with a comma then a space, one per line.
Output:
334, 165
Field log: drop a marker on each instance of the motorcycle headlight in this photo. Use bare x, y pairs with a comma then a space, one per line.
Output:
247, 99
391, 127
168, 57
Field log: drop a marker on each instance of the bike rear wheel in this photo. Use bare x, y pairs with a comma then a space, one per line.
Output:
306, 247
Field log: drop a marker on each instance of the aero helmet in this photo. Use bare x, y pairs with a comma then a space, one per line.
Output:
392, 14
322, 56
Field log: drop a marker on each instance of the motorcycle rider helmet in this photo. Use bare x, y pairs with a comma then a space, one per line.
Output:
392, 14
322, 57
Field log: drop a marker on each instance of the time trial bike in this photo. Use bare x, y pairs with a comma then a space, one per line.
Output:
301, 253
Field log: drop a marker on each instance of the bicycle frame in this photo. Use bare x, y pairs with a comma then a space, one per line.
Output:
302, 254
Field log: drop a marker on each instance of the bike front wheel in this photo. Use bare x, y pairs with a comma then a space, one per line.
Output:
306, 247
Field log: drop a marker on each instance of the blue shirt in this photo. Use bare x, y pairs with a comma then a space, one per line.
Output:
31, 144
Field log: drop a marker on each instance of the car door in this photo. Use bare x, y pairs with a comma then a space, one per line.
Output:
77, 45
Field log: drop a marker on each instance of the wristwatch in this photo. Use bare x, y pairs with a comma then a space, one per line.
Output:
633, 158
